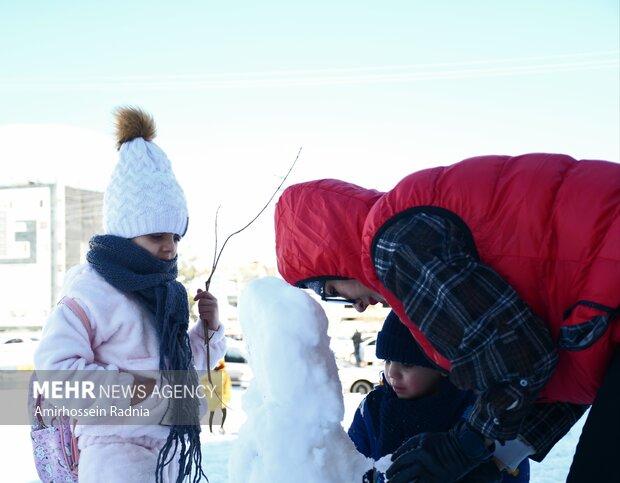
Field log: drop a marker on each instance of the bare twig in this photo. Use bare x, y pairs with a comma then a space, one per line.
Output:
217, 258
217, 255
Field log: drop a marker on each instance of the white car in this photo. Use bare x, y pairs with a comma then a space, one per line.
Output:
237, 365
361, 380
17, 351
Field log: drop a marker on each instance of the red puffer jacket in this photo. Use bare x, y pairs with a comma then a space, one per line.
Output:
548, 224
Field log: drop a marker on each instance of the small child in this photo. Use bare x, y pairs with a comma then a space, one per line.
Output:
136, 320
414, 398
218, 394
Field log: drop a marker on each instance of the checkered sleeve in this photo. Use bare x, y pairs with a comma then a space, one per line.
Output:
497, 347
547, 423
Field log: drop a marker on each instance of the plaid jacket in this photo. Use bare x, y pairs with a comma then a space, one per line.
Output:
496, 345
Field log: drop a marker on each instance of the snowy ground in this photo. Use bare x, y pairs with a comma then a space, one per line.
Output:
17, 466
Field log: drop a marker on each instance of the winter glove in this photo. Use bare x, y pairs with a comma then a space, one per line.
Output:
439, 457
485, 473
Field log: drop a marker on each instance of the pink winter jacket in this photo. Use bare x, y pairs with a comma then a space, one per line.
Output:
122, 339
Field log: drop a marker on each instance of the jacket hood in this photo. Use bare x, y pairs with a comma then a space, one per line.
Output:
318, 226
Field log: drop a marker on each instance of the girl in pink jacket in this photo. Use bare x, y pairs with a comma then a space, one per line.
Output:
134, 331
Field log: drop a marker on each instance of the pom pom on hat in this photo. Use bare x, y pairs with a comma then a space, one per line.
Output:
143, 195
132, 123
395, 343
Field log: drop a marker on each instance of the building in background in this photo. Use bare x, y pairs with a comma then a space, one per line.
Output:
44, 231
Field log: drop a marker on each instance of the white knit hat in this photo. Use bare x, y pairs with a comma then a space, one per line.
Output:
143, 195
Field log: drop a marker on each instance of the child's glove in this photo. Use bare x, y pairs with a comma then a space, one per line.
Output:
439, 457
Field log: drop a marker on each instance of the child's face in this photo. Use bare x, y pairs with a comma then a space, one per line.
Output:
160, 245
354, 290
410, 381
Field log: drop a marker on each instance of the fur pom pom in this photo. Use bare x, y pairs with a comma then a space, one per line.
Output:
131, 123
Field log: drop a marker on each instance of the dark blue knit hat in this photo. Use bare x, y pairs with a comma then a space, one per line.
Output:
395, 343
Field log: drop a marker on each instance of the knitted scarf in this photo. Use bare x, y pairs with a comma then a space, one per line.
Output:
131, 269
396, 420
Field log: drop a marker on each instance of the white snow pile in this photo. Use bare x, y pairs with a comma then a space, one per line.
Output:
294, 405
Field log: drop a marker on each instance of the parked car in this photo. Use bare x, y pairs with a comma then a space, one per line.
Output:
341, 345
17, 351
361, 380
237, 365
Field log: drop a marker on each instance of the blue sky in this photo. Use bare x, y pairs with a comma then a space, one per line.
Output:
371, 90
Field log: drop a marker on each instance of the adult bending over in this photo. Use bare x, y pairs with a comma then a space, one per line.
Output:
506, 270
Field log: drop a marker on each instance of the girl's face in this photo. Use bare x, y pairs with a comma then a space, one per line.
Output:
354, 290
160, 245
410, 381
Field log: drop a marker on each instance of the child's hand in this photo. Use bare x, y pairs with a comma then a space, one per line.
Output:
207, 309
